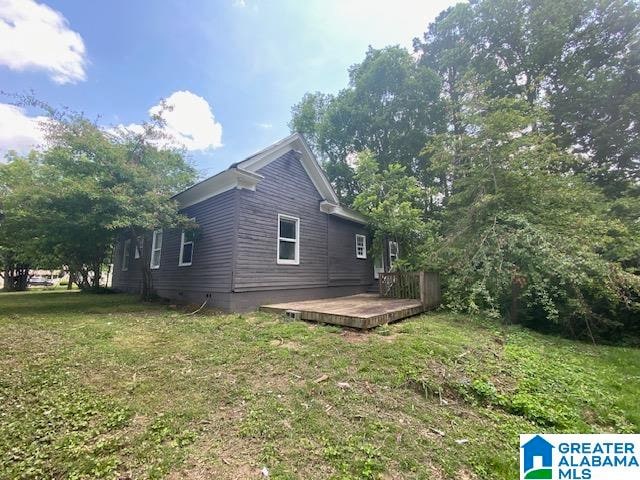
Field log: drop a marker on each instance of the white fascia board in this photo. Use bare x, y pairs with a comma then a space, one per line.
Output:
342, 212
220, 183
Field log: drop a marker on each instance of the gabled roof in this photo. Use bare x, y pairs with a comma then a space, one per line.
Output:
245, 175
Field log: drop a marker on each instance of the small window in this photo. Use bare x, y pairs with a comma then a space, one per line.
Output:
126, 252
139, 246
393, 253
156, 249
288, 240
361, 246
186, 247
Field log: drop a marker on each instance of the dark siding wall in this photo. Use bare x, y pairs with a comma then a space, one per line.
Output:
211, 269
285, 189
344, 267
235, 253
327, 243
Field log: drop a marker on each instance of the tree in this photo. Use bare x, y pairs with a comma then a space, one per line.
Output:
525, 241
96, 186
578, 59
393, 203
20, 182
390, 108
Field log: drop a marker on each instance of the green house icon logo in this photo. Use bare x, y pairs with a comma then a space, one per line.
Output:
537, 459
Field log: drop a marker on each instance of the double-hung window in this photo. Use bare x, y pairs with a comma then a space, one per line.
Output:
361, 246
288, 240
156, 249
186, 247
126, 253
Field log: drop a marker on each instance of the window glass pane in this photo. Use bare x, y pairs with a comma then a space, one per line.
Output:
139, 244
287, 228
189, 235
287, 250
158, 244
187, 252
155, 258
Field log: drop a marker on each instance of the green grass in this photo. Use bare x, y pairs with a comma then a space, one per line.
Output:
101, 386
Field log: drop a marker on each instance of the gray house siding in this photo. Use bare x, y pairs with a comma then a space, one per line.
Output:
328, 264
344, 267
212, 265
285, 189
235, 253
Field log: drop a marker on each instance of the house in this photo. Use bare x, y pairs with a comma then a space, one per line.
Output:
270, 229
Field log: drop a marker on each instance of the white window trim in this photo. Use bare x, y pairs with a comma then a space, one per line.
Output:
126, 254
182, 244
296, 260
153, 249
364, 246
137, 252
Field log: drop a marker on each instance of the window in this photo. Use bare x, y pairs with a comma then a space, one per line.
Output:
156, 249
186, 247
361, 246
139, 246
393, 253
288, 240
126, 252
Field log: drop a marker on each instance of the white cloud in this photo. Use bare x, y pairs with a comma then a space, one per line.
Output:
36, 37
264, 126
239, 3
189, 124
18, 131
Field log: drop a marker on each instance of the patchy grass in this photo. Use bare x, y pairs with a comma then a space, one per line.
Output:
101, 386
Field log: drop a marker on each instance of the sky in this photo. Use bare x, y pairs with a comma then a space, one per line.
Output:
231, 69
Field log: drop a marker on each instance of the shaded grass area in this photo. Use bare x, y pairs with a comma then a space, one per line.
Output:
102, 386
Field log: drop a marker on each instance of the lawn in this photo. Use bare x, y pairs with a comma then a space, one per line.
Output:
101, 386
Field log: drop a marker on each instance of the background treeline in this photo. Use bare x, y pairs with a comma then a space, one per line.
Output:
65, 206
503, 152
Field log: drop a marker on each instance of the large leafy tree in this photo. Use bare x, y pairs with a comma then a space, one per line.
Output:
21, 183
393, 203
390, 108
521, 237
95, 187
579, 59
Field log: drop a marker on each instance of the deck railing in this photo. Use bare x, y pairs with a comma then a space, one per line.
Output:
424, 286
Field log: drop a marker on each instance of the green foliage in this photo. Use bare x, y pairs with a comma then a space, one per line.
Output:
517, 231
51, 428
528, 181
68, 205
104, 386
392, 202
389, 108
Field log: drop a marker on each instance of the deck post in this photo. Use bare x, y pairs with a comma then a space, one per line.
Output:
430, 294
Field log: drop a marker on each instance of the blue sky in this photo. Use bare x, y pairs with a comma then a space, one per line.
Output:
238, 66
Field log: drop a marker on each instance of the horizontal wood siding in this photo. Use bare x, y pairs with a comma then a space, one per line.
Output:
211, 269
286, 189
344, 267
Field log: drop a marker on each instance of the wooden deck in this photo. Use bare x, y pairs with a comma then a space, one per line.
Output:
364, 311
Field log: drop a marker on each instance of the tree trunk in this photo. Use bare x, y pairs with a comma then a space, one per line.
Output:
96, 277
16, 277
146, 287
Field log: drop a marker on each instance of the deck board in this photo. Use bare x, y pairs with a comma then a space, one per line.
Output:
362, 311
